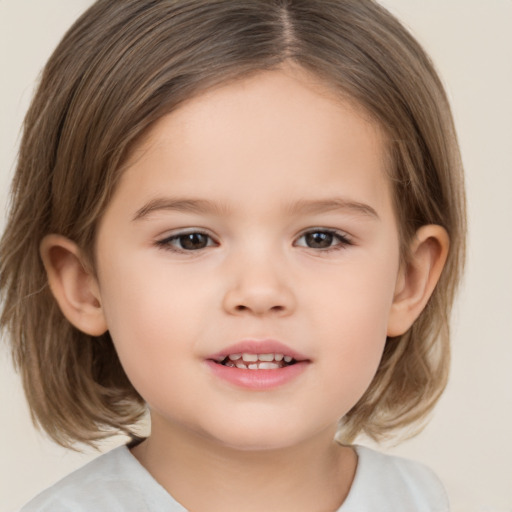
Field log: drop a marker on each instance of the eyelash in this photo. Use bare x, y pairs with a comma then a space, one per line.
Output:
342, 238
168, 243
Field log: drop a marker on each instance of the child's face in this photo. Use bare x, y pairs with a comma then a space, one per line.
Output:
256, 218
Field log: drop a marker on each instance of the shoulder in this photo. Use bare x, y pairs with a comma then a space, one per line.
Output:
393, 484
104, 475
113, 482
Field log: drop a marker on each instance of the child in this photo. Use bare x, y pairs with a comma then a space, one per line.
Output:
247, 218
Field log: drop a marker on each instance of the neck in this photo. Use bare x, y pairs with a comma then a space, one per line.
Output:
205, 476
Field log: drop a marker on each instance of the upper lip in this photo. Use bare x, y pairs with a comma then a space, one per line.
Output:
258, 346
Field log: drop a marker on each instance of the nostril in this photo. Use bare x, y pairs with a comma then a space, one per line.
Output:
258, 300
276, 309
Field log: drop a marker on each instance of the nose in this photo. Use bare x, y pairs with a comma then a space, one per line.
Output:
258, 286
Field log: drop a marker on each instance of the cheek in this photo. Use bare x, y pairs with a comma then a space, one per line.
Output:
354, 311
143, 314
356, 298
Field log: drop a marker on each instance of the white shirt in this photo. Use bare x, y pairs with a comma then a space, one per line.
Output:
117, 482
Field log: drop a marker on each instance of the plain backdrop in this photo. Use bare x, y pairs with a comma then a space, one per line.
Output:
468, 441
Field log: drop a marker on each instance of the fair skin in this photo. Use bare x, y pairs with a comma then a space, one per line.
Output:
295, 252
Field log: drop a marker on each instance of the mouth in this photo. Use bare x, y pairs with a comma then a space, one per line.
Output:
258, 365
258, 355
251, 361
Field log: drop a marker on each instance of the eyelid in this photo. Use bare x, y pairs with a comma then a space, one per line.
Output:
343, 237
165, 242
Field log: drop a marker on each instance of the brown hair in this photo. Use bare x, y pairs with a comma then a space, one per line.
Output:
123, 65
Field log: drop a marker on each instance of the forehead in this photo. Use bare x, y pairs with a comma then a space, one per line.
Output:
277, 131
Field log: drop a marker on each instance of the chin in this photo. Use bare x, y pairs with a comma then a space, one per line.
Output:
261, 436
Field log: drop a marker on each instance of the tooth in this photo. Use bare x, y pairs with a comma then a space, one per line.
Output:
253, 366
266, 357
235, 357
250, 358
241, 365
278, 357
288, 359
269, 366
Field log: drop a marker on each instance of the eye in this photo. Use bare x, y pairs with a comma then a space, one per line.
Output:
185, 242
323, 239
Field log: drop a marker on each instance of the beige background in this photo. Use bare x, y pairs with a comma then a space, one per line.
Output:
468, 442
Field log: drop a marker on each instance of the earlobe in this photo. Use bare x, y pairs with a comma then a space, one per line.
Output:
74, 287
418, 277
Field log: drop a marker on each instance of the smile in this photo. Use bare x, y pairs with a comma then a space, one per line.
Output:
258, 365
249, 361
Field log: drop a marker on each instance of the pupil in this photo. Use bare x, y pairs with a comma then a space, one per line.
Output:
193, 241
319, 240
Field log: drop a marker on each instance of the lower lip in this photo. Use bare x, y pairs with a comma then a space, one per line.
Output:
258, 380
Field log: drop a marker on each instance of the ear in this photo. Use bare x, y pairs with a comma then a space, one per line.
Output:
418, 277
74, 286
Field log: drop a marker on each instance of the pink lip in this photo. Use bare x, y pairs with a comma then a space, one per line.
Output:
258, 380
258, 347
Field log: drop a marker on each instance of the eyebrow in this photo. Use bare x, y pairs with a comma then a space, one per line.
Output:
333, 204
302, 206
200, 206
